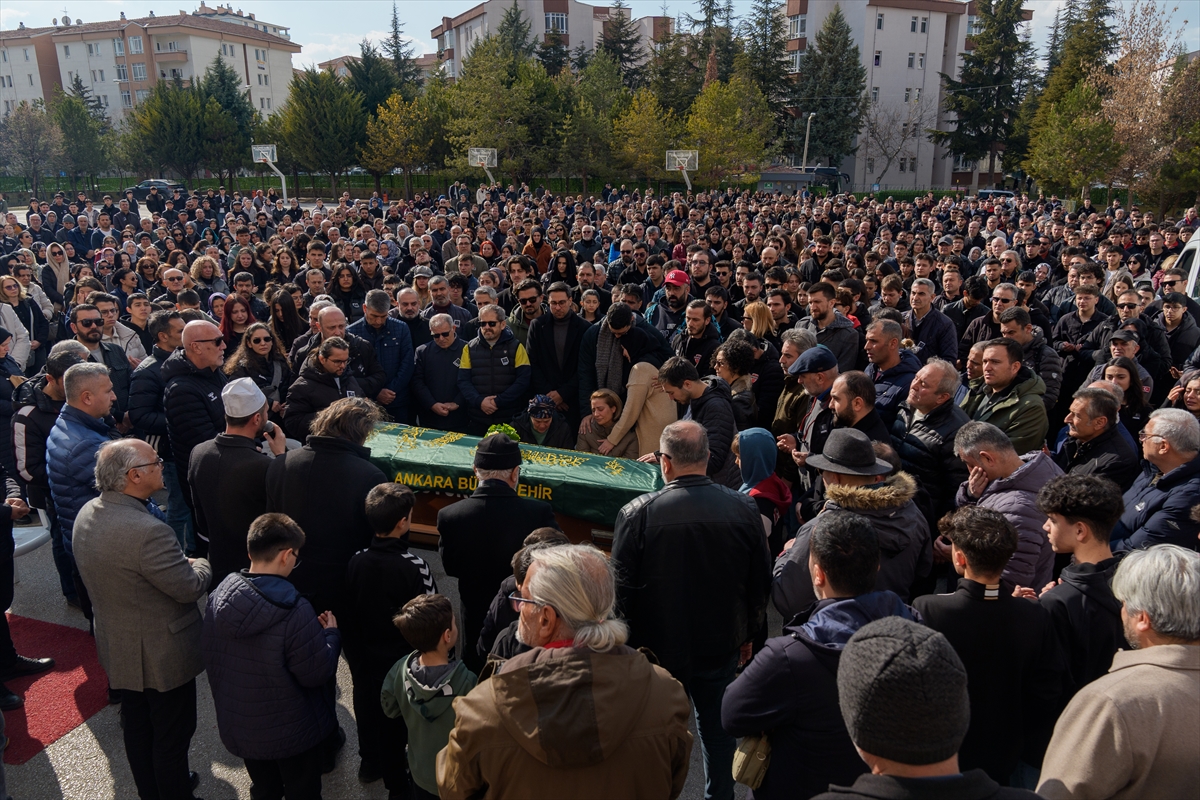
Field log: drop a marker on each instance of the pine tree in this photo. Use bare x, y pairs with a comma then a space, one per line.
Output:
581, 56
672, 75
832, 83
372, 77
764, 40
87, 135
408, 74
169, 127
712, 29
1087, 42
93, 103
984, 100
223, 85
320, 102
553, 53
623, 43
1054, 43
515, 33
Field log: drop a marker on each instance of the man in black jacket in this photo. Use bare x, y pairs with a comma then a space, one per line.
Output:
1016, 673
148, 415
37, 403
1081, 511
697, 338
709, 402
228, 477
192, 398
697, 614
439, 403
88, 327
480, 534
323, 486
1094, 446
364, 366
554, 341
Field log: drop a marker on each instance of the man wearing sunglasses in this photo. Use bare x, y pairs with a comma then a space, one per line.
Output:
88, 326
494, 373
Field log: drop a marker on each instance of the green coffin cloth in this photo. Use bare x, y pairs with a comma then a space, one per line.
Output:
583, 485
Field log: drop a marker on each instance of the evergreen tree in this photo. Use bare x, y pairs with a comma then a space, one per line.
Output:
222, 85
831, 83
581, 56
87, 154
372, 77
1087, 42
404, 65
515, 33
94, 105
319, 102
765, 59
1054, 43
623, 44
984, 100
169, 127
553, 54
671, 74
1077, 146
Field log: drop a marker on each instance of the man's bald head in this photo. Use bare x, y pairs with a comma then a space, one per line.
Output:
332, 322
204, 345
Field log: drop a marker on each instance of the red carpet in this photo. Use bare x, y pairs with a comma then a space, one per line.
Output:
58, 701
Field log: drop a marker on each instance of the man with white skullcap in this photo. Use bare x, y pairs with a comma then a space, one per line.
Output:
228, 474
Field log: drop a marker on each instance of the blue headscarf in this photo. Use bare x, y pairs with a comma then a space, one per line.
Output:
756, 449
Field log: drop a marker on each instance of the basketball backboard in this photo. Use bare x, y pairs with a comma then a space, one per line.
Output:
262, 152
683, 160
482, 157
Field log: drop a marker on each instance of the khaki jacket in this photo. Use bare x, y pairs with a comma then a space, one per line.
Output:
1133, 733
572, 723
143, 593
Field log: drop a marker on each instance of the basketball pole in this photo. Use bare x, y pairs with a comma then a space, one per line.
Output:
686, 179
483, 166
283, 178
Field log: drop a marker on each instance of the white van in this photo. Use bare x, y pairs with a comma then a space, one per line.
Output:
1189, 261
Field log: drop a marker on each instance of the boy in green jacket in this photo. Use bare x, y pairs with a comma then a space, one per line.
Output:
422, 686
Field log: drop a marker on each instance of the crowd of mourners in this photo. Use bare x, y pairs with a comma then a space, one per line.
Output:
954, 442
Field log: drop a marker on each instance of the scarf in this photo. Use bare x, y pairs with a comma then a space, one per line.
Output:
609, 362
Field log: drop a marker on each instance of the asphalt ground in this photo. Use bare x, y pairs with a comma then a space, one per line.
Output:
89, 762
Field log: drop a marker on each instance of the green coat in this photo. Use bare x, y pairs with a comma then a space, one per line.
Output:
1018, 411
428, 713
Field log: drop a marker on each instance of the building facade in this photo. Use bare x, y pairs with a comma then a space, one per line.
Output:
121, 60
904, 46
576, 23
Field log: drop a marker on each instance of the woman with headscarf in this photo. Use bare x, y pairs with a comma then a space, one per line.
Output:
756, 454
538, 249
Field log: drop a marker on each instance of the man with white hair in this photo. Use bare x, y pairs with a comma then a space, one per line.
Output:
1132, 733
1157, 506
633, 741
144, 593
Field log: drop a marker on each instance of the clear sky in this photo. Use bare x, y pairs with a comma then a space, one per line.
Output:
330, 29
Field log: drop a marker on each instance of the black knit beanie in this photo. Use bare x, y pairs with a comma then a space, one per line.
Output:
903, 692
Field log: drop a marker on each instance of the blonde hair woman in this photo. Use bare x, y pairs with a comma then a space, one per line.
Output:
606, 410
757, 319
14, 301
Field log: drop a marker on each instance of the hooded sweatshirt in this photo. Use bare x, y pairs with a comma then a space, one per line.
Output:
424, 696
1087, 618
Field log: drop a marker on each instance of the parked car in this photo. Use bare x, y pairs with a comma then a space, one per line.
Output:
165, 188
1003, 195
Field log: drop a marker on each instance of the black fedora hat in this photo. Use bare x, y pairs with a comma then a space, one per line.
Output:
849, 452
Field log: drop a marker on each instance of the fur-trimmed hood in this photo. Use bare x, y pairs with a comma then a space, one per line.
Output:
892, 493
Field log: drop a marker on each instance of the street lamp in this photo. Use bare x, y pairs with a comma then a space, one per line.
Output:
807, 128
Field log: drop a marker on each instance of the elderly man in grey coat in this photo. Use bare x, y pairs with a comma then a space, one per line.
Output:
144, 592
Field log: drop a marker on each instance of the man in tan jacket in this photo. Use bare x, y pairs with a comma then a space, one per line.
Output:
581, 715
144, 593
1134, 732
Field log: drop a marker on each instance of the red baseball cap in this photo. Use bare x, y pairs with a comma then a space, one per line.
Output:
677, 277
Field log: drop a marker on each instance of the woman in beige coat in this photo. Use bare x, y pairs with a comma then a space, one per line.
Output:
606, 410
647, 408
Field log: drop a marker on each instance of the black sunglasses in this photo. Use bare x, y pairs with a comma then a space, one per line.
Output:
487, 324
89, 323
263, 340
445, 335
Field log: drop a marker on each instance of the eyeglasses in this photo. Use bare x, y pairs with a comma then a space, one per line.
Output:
444, 335
1003, 300
1127, 306
660, 455
626, 252
158, 462
172, 280
263, 340
211, 341
487, 323
1170, 283
89, 323
1143, 436
516, 600
529, 301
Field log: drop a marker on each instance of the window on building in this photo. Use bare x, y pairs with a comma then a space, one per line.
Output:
143, 95
920, 61
66, 51
870, 165
904, 164
879, 58
122, 73
924, 24
118, 47
556, 22
70, 76
104, 99
30, 79
963, 164
904, 131
794, 59
135, 44
797, 26
874, 94
907, 94
126, 99
4, 78
4, 56
93, 76
93, 48
879, 22
917, 95
449, 39
139, 72
974, 26
7, 106
26, 52
912, 60
912, 26
266, 80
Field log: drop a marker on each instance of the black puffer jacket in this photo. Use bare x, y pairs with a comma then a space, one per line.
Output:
926, 449
31, 424
146, 409
1109, 455
1087, 618
714, 411
768, 384
313, 392
195, 410
699, 351
695, 573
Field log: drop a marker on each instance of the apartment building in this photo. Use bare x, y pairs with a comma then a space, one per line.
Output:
121, 60
905, 45
577, 23
427, 64
227, 14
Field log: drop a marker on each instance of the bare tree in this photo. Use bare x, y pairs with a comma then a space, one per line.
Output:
891, 132
32, 141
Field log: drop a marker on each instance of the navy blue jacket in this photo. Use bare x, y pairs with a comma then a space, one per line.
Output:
71, 464
270, 664
435, 380
394, 352
789, 692
936, 335
1157, 509
891, 385
146, 409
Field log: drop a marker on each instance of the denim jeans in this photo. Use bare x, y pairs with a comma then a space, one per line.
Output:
706, 690
179, 516
63, 563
